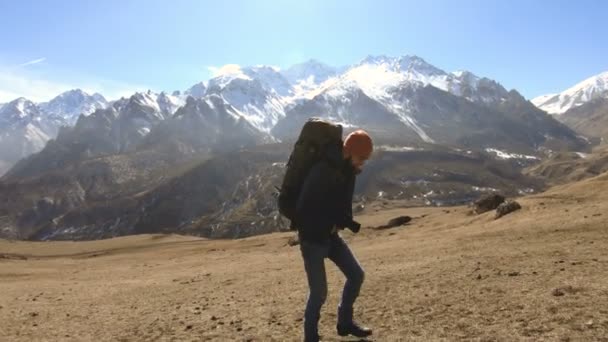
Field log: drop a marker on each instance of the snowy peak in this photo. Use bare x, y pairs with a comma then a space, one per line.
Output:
308, 75
151, 104
583, 92
197, 91
169, 104
71, 104
378, 60
408, 64
312, 70
377, 75
206, 123
268, 77
143, 106
261, 106
258, 93
18, 110
415, 64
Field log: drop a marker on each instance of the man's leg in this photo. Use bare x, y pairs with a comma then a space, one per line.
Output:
343, 257
314, 255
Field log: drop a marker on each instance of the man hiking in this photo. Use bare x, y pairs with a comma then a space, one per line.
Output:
323, 207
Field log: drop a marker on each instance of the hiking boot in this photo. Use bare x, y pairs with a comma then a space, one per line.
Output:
353, 329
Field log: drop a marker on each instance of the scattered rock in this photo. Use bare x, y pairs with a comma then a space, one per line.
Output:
479, 277
33, 314
213, 318
506, 208
589, 323
12, 256
395, 222
487, 203
189, 326
293, 241
513, 274
358, 208
560, 291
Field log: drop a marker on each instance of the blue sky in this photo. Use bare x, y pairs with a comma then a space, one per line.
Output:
120, 46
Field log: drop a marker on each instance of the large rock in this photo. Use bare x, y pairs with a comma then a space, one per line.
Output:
395, 222
506, 208
487, 203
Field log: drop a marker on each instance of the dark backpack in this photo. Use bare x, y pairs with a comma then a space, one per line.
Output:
316, 136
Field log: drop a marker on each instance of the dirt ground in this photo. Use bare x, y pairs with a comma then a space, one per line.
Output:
538, 274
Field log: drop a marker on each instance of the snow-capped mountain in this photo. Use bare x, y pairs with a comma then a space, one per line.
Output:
18, 110
383, 91
119, 128
160, 105
271, 79
377, 75
71, 104
24, 113
139, 114
169, 104
407, 100
208, 123
268, 77
197, 91
259, 93
24, 129
135, 125
583, 92
307, 76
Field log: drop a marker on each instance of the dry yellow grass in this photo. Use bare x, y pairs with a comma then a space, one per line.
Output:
540, 273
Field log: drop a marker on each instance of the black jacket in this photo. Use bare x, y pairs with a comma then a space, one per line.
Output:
325, 199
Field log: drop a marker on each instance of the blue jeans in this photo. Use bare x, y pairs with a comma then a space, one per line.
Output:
314, 254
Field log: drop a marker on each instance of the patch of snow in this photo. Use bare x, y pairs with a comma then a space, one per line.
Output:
484, 189
505, 155
391, 148
581, 93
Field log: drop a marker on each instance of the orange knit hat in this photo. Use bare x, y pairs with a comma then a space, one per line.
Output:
359, 143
